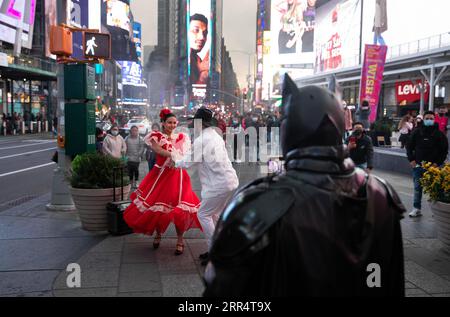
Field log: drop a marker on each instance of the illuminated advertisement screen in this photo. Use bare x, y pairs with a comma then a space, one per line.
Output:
199, 26
423, 25
50, 19
137, 38
118, 14
12, 12
78, 16
117, 19
337, 35
293, 31
131, 73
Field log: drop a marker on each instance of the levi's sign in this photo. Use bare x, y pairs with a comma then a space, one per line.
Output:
408, 92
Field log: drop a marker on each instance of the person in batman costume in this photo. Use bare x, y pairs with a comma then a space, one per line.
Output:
316, 230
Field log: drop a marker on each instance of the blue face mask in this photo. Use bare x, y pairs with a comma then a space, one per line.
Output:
429, 123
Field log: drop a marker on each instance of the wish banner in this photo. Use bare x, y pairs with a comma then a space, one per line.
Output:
372, 77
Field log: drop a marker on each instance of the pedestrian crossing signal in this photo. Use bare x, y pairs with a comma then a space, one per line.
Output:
97, 45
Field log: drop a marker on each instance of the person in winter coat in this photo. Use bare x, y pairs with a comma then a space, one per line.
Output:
114, 145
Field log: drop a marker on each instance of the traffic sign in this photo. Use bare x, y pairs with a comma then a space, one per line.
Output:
97, 45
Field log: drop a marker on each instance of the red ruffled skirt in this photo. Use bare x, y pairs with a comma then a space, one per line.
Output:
165, 196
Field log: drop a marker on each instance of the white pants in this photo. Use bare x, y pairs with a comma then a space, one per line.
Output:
209, 213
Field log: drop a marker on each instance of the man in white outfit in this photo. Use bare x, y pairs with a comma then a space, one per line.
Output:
217, 175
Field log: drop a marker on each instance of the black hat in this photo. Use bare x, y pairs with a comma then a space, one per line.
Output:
206, 115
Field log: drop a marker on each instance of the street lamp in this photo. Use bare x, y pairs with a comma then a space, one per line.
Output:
249, 76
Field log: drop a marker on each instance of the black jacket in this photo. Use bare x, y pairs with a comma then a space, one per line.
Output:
363, 152
428, 144
311, 232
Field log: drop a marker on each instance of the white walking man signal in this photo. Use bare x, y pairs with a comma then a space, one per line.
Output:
90, 46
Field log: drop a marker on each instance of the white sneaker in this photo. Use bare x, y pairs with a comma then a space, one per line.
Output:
416, 213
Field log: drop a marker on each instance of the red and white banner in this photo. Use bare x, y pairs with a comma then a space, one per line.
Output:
372, 77
408, 92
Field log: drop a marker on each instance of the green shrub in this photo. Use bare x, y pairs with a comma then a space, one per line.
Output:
95, 171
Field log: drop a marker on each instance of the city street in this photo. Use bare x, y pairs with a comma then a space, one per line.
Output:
324, 82
38, 245
26, 169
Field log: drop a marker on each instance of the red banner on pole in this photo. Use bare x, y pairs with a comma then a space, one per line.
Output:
372, 77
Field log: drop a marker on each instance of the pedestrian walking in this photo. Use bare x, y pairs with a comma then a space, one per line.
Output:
427, 145
151, 155
55, 126
135, 151
348, 120
363, 114
405, 128
99, 140
217, 175
317, 229
114, 145
442, 119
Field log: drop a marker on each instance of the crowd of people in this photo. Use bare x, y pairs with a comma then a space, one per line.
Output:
328, 172
10, 124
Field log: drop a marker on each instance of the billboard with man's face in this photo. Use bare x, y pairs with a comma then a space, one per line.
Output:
199, 44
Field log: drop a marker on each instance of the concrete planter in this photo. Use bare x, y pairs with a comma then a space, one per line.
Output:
441, 212
91, 206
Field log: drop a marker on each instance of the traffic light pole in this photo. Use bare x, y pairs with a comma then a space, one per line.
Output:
61, 199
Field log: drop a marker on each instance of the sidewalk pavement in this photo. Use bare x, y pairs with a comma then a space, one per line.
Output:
37, 245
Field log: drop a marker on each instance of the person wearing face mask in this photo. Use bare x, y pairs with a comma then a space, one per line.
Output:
442, 120
114, 145
361, 148
427, 145
236, 129
418, 122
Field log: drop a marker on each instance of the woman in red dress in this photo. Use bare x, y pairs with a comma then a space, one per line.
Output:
165, 195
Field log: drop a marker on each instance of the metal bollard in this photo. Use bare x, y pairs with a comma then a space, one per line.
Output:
31, 127
4, 128
46, 126
39, 126
23, 127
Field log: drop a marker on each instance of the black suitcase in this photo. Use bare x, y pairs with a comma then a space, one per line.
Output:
116, 225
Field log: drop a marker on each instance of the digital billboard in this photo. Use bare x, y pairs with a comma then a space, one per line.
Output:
137, 38
337, 35
131, 73
78, 16
117, 19
50, 19
12, 12
199, 26
293, 31
408, 21
118, 14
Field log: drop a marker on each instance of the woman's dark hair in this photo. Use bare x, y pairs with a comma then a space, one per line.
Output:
167, 117
165, 114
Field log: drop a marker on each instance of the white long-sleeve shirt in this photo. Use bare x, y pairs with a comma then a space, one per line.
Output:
216, 172
114, 146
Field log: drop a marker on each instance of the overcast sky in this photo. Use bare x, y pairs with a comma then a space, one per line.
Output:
239, 30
